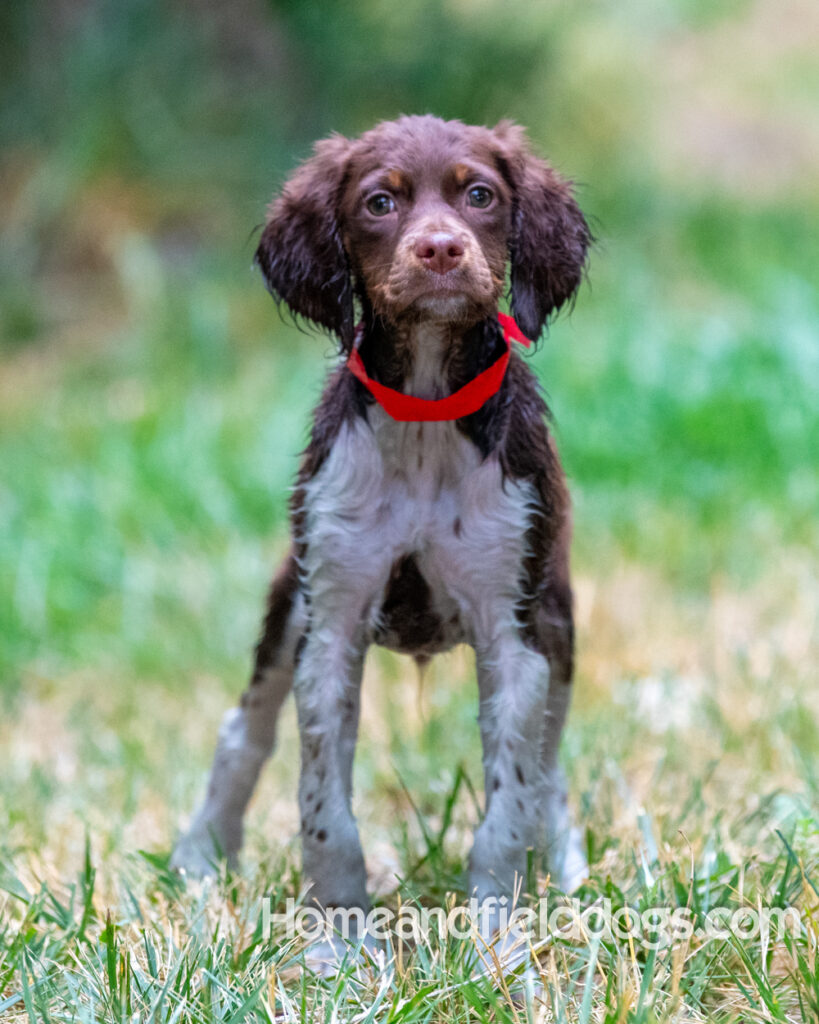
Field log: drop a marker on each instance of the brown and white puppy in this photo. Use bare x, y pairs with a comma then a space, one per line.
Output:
417, 535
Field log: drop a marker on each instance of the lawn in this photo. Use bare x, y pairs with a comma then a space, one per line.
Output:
152, 408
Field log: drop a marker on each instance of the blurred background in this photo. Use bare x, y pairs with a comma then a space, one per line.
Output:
153, 403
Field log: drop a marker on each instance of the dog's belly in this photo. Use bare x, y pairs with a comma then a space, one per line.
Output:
412, 619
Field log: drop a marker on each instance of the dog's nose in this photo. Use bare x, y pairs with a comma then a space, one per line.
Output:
439, 251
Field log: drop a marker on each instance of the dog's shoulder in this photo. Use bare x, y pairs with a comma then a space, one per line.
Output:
514, 425
342, 402
527, 449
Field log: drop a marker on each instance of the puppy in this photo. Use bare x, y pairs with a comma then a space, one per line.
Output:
430, 507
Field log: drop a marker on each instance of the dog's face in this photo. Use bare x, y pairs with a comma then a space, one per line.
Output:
425, 216
419, 216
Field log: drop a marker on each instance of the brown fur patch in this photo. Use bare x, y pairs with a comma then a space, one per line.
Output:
409, 622
279, 605
461, 173
396, 180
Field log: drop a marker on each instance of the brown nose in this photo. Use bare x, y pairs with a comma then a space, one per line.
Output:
439, 251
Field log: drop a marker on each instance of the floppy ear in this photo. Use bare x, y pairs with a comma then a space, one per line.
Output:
301, 253
550, 237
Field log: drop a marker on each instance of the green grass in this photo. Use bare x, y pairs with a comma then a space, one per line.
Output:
152, 407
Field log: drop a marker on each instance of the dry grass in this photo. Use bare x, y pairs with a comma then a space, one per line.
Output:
690, 744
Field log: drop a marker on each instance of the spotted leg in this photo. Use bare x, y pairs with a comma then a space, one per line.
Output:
327, 686
513, 682
562, 842
246, 735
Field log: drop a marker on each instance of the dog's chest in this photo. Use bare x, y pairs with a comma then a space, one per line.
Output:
415, 527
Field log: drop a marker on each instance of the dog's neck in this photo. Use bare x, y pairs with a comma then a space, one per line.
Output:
429, 347
428, 359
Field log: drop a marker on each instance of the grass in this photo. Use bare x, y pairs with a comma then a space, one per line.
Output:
105, 931
152, 406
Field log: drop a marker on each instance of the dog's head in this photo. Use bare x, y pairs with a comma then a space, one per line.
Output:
418, 217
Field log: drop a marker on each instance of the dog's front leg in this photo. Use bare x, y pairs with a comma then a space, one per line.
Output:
514, 685
327, 684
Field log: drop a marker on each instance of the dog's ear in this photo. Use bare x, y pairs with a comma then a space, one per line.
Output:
549, 238
301, 253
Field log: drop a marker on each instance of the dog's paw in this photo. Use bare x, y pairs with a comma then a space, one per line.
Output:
574, 868
197, 854
327, 956
504, 953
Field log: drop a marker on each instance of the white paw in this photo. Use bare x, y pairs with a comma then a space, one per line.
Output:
500, 942
196, 854
326, 956
574, 869
504, 953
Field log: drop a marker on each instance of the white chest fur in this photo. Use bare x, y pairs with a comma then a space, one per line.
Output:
391, 489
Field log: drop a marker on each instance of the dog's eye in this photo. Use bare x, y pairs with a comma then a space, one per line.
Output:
479, 196
380, 204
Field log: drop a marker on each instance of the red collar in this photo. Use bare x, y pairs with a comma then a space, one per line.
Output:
463, 402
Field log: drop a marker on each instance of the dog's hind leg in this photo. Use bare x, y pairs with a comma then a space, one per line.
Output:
563, 844
247, 734
561, 841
